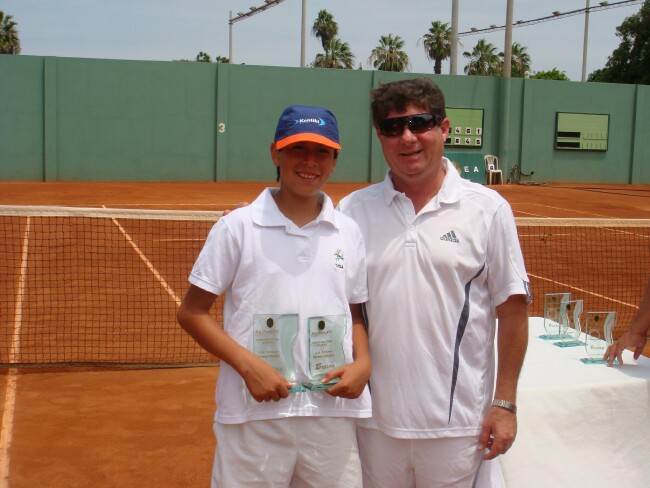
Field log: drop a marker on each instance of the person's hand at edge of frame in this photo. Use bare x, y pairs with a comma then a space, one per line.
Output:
629, 339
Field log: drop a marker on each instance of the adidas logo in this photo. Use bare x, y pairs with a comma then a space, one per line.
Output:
450, 236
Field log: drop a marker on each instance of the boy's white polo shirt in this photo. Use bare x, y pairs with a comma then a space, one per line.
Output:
265, 264
435, 279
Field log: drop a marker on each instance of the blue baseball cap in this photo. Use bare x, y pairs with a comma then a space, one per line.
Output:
300, 123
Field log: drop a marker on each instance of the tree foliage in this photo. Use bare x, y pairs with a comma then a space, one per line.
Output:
9, 39
337, 55
203, 57
437, 44
483, 60
325, 28
519, 63
553, 74
630, 61
389, 56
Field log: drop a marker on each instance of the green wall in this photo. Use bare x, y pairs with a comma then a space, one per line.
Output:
70, 119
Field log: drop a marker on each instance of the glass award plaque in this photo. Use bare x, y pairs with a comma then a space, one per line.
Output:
554, 307
598, 336
273, 338
570, 327
326, 336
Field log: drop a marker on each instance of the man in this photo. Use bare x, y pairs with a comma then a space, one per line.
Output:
443, 263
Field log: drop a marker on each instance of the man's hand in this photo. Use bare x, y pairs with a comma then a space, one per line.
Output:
498, 433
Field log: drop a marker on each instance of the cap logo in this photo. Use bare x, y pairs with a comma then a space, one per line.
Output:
318, 121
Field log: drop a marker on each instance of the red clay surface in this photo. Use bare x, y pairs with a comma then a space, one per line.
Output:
150, 428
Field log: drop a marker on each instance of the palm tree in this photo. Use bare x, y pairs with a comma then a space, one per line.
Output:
437, 44
388, 56
325, 28
520, 62
337, 55
9, 41
484, 60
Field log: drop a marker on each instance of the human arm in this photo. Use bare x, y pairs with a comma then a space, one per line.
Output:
263, 382
353, 376
500, 425
636, 337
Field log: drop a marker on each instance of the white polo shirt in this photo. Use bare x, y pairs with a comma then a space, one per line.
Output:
435, 279
265, 264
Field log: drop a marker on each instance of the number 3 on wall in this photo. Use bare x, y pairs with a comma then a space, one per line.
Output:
221, 127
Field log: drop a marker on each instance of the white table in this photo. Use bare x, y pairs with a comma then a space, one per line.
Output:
580, 425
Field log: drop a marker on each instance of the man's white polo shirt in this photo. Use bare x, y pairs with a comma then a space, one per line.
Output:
434, 280
265, 264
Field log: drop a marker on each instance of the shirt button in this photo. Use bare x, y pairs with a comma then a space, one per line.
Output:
411, 227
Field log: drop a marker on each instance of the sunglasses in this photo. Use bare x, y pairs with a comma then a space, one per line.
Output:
394, 127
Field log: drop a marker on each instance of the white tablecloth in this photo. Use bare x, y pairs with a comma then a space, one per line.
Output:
580, 425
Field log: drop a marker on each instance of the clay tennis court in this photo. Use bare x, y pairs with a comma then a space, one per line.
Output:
107, 426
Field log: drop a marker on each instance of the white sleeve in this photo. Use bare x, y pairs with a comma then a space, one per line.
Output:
506, 270
215, 268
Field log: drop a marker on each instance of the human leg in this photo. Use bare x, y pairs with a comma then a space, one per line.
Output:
259, 453
328, 455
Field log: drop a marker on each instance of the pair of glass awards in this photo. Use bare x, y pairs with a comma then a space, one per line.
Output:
274, 337
562, 323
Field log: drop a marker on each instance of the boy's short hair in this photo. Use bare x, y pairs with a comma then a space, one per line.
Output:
398, 95
302, 123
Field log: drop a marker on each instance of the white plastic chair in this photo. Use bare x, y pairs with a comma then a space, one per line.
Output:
492, 169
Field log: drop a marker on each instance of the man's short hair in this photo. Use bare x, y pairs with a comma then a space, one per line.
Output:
398, 95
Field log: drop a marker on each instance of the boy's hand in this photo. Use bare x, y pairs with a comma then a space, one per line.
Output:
353, 378
264, 383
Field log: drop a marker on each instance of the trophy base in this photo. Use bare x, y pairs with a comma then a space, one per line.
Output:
596, 361
569, 344
550, 337
317, 385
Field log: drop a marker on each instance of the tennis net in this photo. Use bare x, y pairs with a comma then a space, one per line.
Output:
97, 286
102, 286
604, 262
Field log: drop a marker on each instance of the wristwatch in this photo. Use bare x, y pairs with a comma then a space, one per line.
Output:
505, 404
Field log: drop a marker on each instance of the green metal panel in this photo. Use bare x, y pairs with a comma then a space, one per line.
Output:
69, 119
21, 118
543, 99
641, 155
251, 99
135, 120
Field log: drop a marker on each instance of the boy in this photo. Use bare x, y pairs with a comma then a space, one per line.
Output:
288, 255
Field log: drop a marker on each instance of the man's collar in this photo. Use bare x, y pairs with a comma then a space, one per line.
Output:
449, 191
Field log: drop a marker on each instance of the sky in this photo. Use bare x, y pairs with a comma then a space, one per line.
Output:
166, 30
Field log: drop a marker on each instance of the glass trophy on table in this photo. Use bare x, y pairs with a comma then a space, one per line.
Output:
570, 327
273, 338
598, 336
554, 307
326, 336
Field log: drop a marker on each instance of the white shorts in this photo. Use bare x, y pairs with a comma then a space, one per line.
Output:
389, 462
298, 452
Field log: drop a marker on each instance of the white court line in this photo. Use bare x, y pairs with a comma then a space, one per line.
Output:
146, 261
584, 291
6, 433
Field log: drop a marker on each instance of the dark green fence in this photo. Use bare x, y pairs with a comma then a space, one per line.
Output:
69, 119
